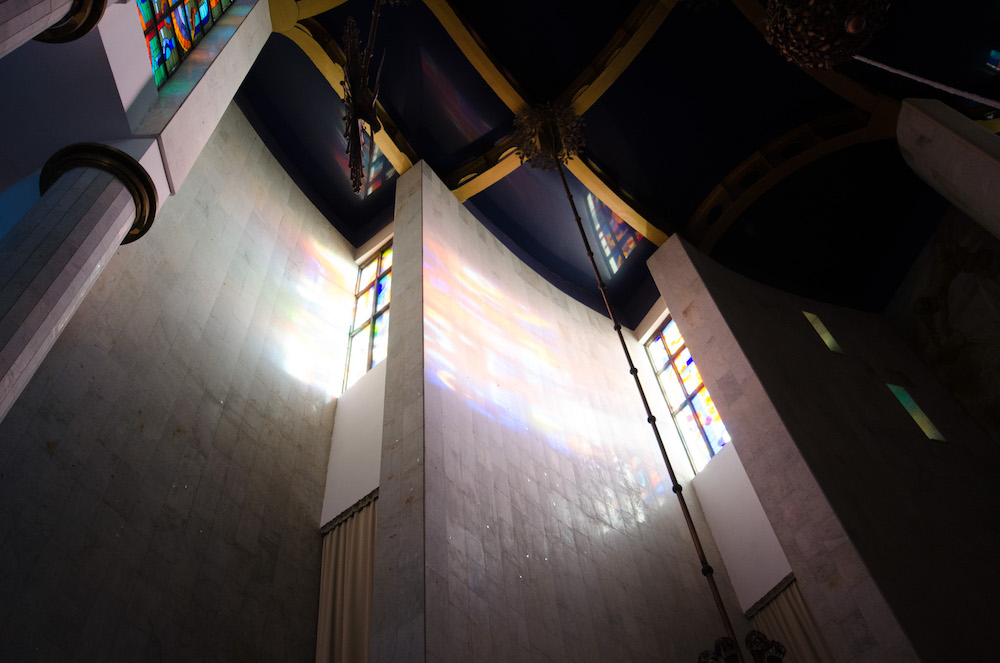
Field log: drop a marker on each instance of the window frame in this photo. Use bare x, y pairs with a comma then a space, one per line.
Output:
367, 326
671, 369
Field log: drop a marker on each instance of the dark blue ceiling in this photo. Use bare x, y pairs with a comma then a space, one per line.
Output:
704, 94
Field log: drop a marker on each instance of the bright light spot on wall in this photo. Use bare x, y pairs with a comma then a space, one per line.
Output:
316, 318
507, 364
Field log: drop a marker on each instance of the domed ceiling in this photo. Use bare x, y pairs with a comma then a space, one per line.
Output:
693, 125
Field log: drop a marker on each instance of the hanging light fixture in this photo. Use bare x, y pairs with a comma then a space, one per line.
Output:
822, 33
546, 137
360, 99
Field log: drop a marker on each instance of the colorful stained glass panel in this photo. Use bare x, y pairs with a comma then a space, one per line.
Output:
367, 275
692, 438
182, 29
364, 309
688, 371
380, 344
658, 354
672, 389
672, 337
710, 421
386, 260
146, 15
384, 291
168, 42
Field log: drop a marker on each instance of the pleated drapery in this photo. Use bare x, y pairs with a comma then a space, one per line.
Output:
787, 619
345, 594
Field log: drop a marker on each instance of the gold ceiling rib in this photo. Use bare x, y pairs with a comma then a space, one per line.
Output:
779, 159
992, 125
482, 172
328, 58
615, 58
837, 83
619, 202
500, 161
475, 51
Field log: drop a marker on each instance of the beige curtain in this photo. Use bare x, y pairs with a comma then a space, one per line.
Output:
787, 619
345, 594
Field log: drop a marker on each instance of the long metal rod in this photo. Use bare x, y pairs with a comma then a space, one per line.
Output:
706, 569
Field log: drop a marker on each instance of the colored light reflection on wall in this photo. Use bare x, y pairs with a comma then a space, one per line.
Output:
506, 362
316, 317
615, 239
456, 107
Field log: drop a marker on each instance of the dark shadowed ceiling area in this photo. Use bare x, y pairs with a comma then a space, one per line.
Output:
788, 176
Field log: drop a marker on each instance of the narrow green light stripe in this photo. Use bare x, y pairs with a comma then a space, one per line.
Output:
823, 332
922, 420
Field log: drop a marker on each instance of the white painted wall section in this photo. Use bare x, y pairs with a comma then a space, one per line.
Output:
749, 548
356, 449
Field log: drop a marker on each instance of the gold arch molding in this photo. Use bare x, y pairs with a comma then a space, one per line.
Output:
779, 159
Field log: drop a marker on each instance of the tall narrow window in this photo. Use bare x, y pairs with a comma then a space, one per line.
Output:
918, 415
370, 331
691, 405
173, 28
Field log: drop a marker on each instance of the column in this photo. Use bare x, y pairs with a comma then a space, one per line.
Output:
53, 21
955, 155
94, 197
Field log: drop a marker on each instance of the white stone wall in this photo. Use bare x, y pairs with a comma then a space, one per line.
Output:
162, 475
549, 531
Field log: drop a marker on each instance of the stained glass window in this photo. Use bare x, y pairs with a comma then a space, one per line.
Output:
617, 239
692, 407
918, 415
370, 332
173, 28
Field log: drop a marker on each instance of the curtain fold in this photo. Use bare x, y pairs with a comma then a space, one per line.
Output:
345, 595
787, 619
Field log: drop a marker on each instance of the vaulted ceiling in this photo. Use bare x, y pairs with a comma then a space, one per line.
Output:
693, 125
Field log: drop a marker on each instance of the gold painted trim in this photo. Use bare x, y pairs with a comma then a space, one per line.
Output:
731, 198
615, 58
614, 199
111, 160
317, 44
993, 126
487, 178
473, 48
310, 8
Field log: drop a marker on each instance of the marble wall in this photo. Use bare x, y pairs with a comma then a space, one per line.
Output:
890, 534
162, 475
535, 505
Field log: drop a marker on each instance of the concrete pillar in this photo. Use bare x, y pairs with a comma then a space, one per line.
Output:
955, 155
53, 21
94, 196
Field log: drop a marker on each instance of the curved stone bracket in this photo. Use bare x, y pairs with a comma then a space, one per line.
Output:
112, 160
83, 16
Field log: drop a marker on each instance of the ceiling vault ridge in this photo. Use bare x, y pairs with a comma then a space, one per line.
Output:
617, 55
778, 160
475, 51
